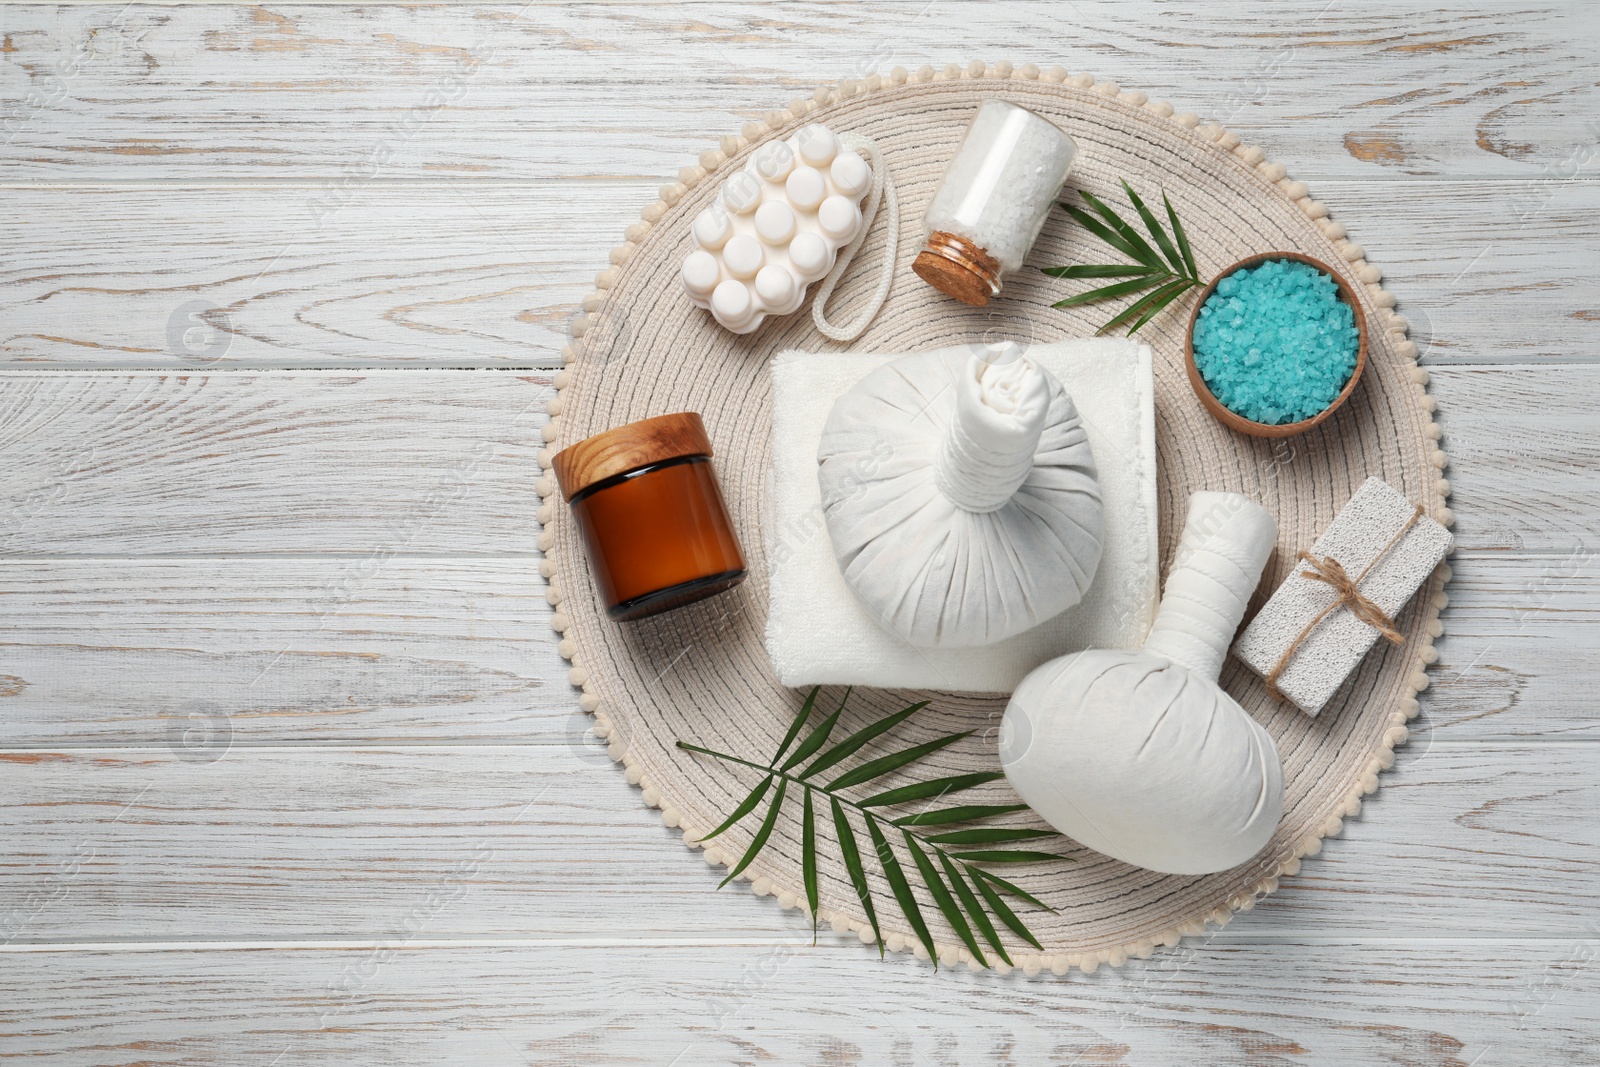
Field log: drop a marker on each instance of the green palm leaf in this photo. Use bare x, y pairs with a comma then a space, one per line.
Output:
761, 835
808, 860
1142, 250
1116, 289
799, 721
941, 896
1155, 229
1003, 910
1096, 227
1172, 292
746, 806
939, 861
894, 761
936, 787
816, 738
1182, 238
852, 864
1151, 302
901, 889
990, 835
856, 741
980, 918
965, 813
1167, 274
1101, 270
1008, 856
1005, 886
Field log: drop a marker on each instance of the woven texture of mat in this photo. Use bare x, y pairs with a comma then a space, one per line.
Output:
700, 674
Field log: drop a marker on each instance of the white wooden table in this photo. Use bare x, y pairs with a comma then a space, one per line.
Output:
289, 769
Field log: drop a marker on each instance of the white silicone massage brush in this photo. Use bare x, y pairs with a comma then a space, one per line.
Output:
777, 227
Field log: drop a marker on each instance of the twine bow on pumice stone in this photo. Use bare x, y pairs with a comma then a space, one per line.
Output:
1329, 571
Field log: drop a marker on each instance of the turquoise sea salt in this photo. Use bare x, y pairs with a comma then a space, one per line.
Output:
1275, 343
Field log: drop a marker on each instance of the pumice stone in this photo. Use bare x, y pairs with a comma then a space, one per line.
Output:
960, 493
1141, 755
785, 215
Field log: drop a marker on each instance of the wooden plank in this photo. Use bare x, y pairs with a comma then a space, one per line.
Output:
459, 274
306, 842
356, 651
369, 466
1522, 443
1468, 263
417, 463
345, 92
427, 274
309, 841
259, 651
1520, 656
1411, 1004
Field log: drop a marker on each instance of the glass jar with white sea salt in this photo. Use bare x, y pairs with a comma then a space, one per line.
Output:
993, 200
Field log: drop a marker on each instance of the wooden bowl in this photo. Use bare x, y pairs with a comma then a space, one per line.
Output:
1235, 421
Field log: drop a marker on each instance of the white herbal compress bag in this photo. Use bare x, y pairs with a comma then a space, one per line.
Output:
818, 631
1141, 755
961, 496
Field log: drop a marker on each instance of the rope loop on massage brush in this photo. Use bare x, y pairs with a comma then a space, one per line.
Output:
883, 194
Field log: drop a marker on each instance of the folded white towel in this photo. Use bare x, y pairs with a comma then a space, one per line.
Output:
818, 633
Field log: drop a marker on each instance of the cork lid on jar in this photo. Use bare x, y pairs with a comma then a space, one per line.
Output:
626, 448
957, 267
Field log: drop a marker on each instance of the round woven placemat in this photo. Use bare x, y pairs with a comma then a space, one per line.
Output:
701, 674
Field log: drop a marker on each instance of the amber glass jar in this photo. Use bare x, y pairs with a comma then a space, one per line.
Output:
652, 516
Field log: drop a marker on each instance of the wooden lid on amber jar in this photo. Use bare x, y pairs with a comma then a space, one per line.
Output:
638, 444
